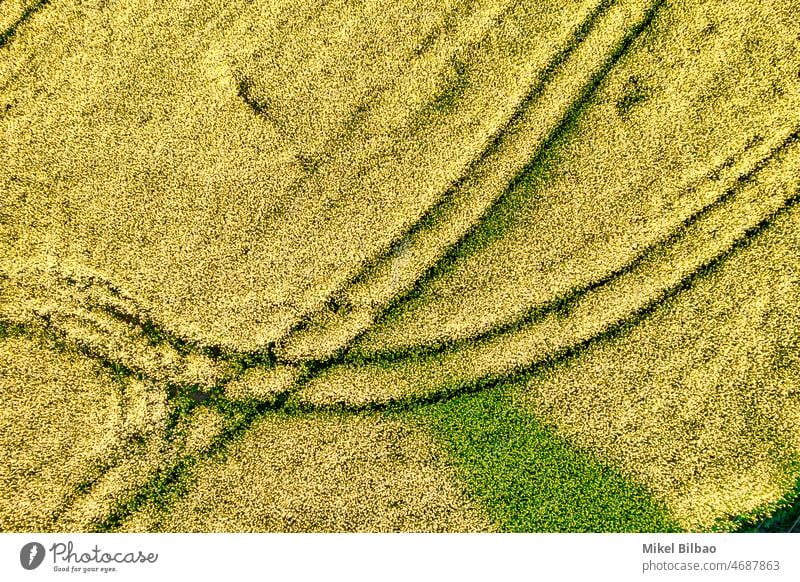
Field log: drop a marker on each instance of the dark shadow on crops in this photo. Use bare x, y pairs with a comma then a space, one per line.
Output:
136, 318
157, 335
634, 93
260, 106
458, 84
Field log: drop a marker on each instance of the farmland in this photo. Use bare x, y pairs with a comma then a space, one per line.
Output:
412, 266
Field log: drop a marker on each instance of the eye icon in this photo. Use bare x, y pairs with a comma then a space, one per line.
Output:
31, 555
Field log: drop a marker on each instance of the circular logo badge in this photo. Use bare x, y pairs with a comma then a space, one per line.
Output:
31, 555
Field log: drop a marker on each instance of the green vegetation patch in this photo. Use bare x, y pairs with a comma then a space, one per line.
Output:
529, 479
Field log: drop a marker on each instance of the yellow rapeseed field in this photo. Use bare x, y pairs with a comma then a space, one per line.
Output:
623, 179
428, 265
548, 335
166, 142
702, 400
321, 473
63, 424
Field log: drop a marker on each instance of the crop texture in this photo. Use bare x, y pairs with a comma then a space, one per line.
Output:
425, 265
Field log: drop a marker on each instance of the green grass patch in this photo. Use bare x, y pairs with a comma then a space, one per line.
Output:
529, 479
